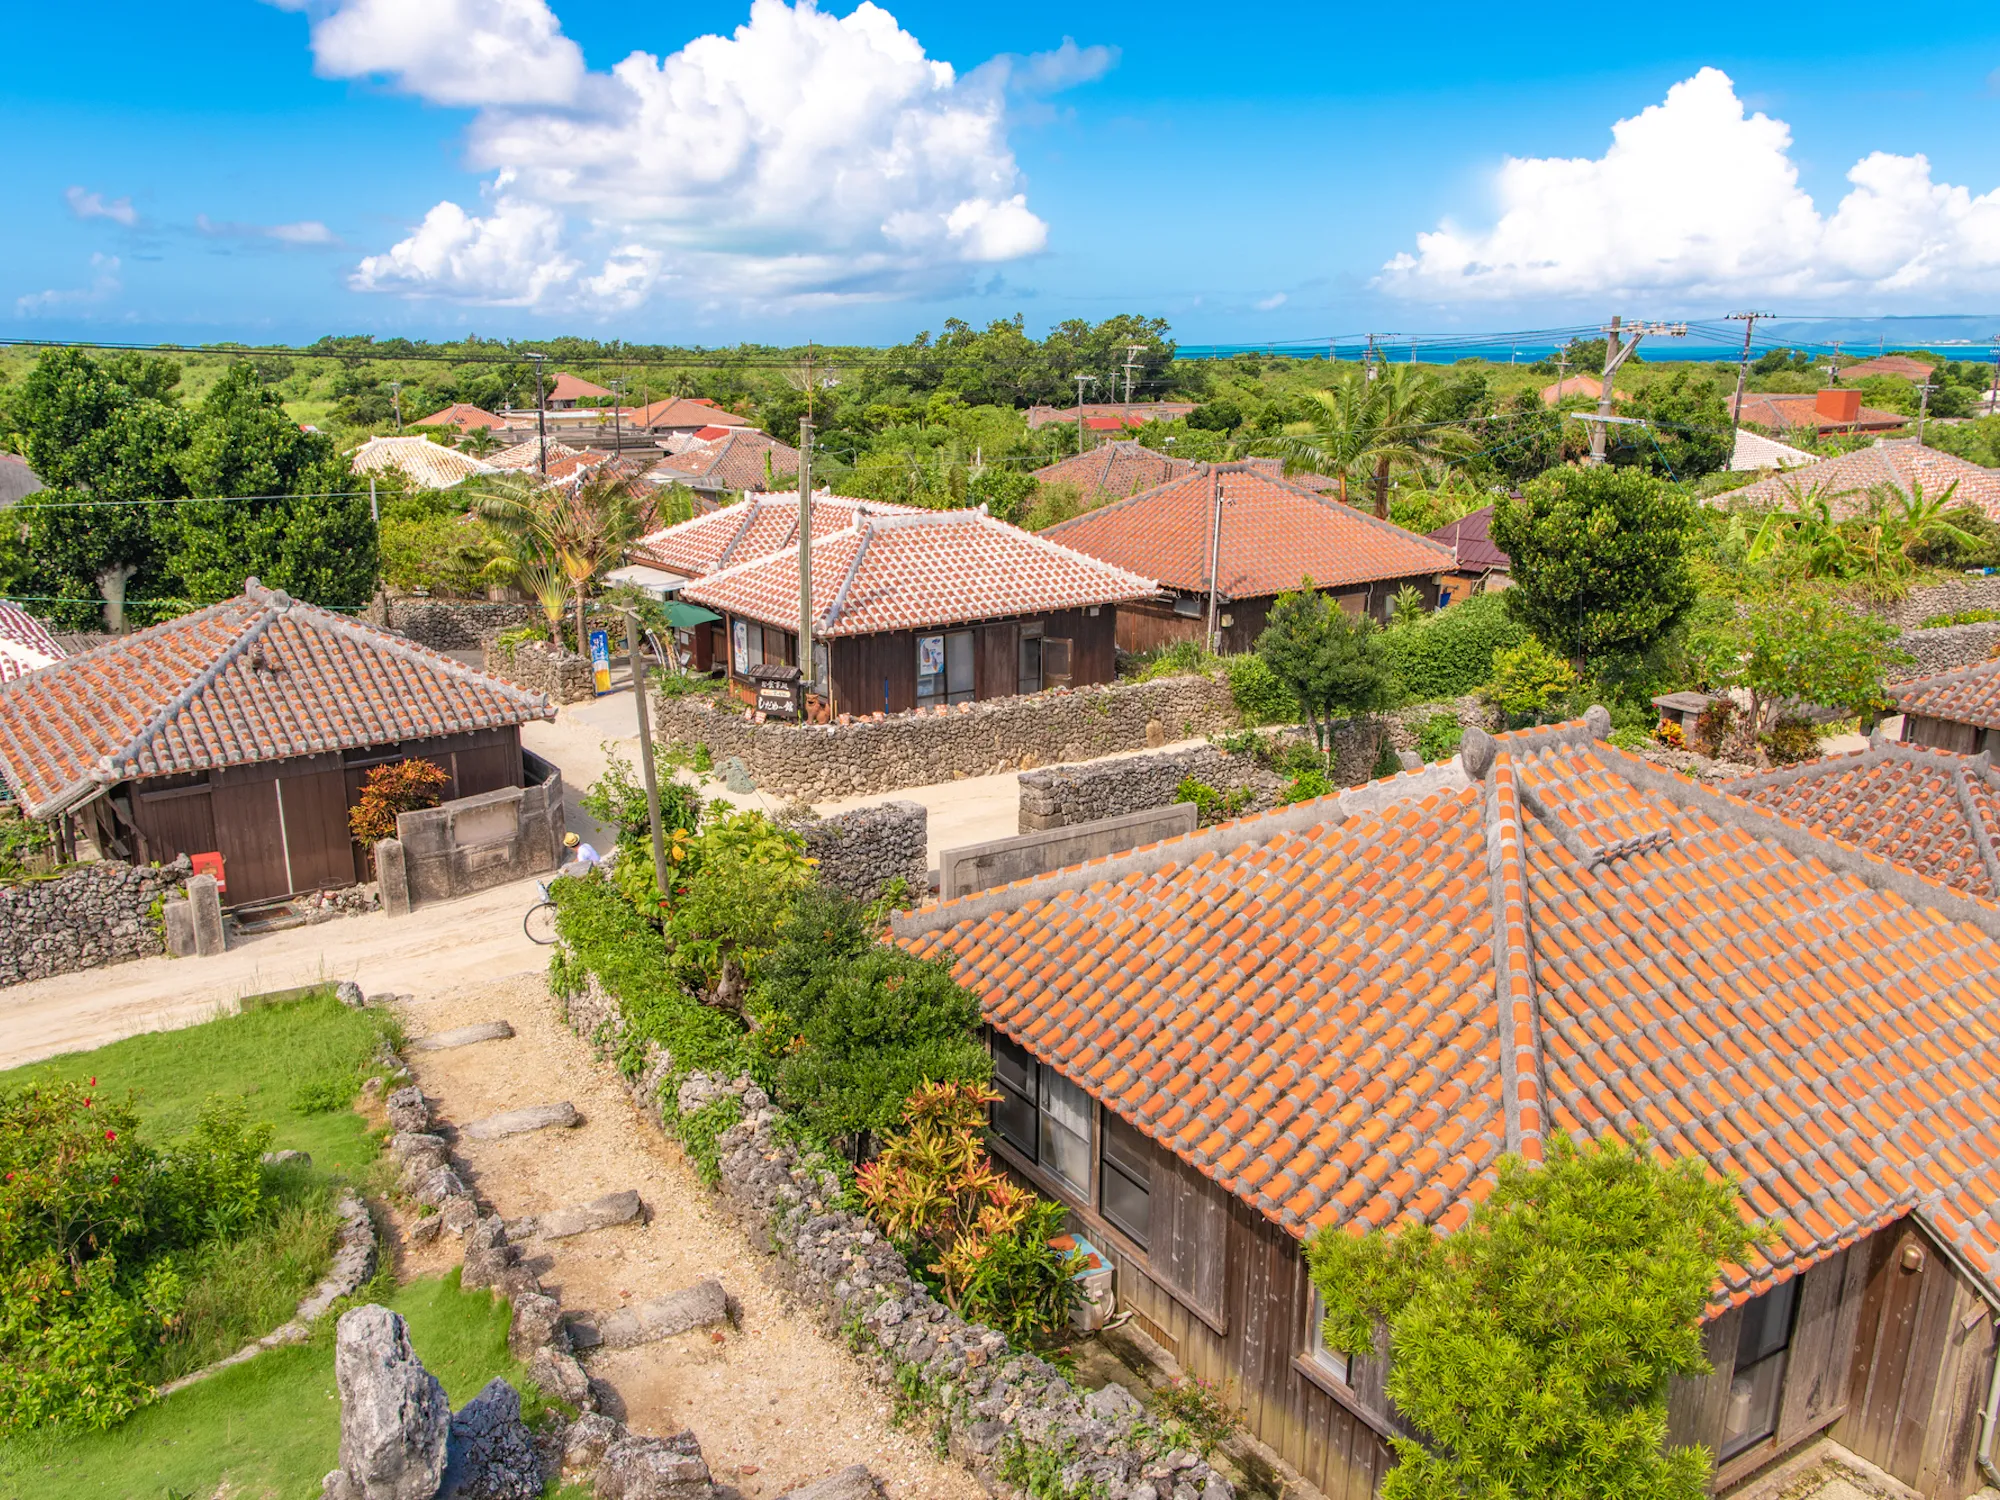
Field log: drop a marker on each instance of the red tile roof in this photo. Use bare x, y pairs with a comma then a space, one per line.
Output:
684, 411
1971, 695
258, 677
1274, 532
920, 569
1113, 471
1899, 463
1886, 364
429, 465
1471, 542
462, 415
524, 456
575, 388
1935, 812
1129, 413
1775, 413
1578, 385
25, 645
1345, 1012
735, 461
755, 526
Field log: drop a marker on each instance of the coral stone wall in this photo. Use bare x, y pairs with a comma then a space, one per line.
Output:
91, 916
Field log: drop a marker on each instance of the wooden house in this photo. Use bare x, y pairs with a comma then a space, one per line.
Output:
1953, 710
1340, 1016
924, 609
245, 729
1269, 532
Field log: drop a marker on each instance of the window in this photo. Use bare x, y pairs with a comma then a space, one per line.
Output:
1188, 605
1029, 678
1042, 1115
1055, 660
944, 668
780, 646
1763, 1342
1329, 1362
1125, 1185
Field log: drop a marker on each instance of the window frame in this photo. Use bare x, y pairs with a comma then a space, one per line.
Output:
1109, 1167
1039, 1081
1329, 1364
1775, 1357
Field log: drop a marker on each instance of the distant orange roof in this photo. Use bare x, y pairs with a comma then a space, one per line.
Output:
1579, 385
1887, 364
755, 526
1971, 695
1900, 463
1112, 471
684, 411
574, 388
462, 415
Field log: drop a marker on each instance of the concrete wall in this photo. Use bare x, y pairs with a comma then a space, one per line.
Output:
863, 851
542, 668
475, 843
978, 867
879, 754
93, 915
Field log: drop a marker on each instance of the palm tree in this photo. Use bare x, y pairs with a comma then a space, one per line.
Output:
581, 529
1371, 428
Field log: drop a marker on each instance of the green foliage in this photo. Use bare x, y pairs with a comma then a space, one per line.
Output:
1181, 659
1203, 1410
24, 843
455, 556
1439, 738
1305, 786
1259, 694
1211, 805
847, 1028
1450, 653
1387, 762
1790, 741
1689, 435
1532, 1349
1332, 662
618, 798
1600, 559
1805, 648
1530, 681
1017, 1282
1959, 617
733, 884
701, 1133
400, 786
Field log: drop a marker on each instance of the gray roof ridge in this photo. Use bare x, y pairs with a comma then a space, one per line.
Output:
405, 649
1982, 840
865, 522
1972, 669
1517, 1025
753, 507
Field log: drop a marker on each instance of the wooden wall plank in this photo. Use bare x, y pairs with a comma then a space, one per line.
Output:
1930, 1340
1815, 1372
1952, 1425
1696, 1408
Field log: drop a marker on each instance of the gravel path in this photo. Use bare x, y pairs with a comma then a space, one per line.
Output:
775, 1403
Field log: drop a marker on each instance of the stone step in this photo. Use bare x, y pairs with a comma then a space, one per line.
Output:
561, 1116
562, 1223
702, 1305
464, 1036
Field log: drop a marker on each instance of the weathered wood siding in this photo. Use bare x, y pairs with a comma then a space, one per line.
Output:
878, 673
1144, 627
1944, 734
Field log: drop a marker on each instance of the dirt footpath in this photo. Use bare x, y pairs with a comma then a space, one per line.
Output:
775, 1403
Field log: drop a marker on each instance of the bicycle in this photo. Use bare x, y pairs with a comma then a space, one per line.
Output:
540, 922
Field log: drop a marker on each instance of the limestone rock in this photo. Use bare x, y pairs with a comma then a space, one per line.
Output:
487, 1254
852, 1483
349, 994
437, 1186
337, 1486
393, 1414
408, 1143
490, 1454
1111, 1403
561, 1116
702, 1305
556, 1372
537, 1317
408, 1109
459, 1214
650, 1468
464, 1036
425, 1230
589, 1436
563, 1223
288, 1159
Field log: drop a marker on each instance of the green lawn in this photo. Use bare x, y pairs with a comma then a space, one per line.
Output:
298, 1058
270, 1428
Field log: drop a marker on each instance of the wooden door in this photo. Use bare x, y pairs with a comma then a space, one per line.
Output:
249, 831
998, 662
174, 820
1905, 1317
318, 846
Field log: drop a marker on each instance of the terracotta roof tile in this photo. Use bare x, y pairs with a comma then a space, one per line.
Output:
1971, 695
460, 414
1900, 463
258, 677
25, 645
1274, 532
528, 455
1113, 471
735, 461
1622, 951
430, 465
684, 411
755, 526
921, 568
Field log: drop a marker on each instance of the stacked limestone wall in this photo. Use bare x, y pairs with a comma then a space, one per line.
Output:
93, 915
542, 668
446, 624
865, 851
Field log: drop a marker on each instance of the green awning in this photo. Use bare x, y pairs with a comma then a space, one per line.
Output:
686, 616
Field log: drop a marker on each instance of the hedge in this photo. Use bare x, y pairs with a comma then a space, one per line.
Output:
1450, 653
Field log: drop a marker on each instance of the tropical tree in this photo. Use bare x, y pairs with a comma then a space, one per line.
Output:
581, 529
1367, 430
1332, 661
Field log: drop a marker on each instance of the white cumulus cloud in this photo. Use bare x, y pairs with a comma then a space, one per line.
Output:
804, 156
88, 205
457, 52
1699, 196
104, 285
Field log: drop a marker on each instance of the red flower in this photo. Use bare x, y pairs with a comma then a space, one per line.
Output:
93, 1080
111, 1135
114, 1179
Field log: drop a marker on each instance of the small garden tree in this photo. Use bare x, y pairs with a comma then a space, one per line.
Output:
399, 787
1600, 559
1532, 1349
1530, 681
1332, 661
1800, 649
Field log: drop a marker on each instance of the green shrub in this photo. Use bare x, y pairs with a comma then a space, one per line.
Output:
23, 842
1180, 659
1212, 806
1790, 741
1305, 786
701, 1133
1439, 738
1450, 653
1259, 696
1960, 617
847, 1028
1634, 740
453, 555
1202, 1408
1387, 761
1530, 681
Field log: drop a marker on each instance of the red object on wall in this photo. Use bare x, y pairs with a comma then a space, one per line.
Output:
1838, 405
210, 864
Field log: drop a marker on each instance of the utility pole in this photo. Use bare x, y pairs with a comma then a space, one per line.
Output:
1833, 370
805, 554
1749, 321
646, 750
1214, 557
1615, 354
1923, 408
396, 402
1368, 359
617, 416
541, 420
1994, 402
374, 510
1079, 407
1131, 358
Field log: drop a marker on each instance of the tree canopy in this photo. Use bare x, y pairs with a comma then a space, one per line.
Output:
1532, 1348
1332, 661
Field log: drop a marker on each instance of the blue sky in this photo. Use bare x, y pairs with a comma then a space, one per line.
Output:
216, 170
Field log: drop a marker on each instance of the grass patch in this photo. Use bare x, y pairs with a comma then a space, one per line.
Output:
270, 1427
298, 1058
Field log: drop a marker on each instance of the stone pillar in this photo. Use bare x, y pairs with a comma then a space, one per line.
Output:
205, 906
392, 877
178, 917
